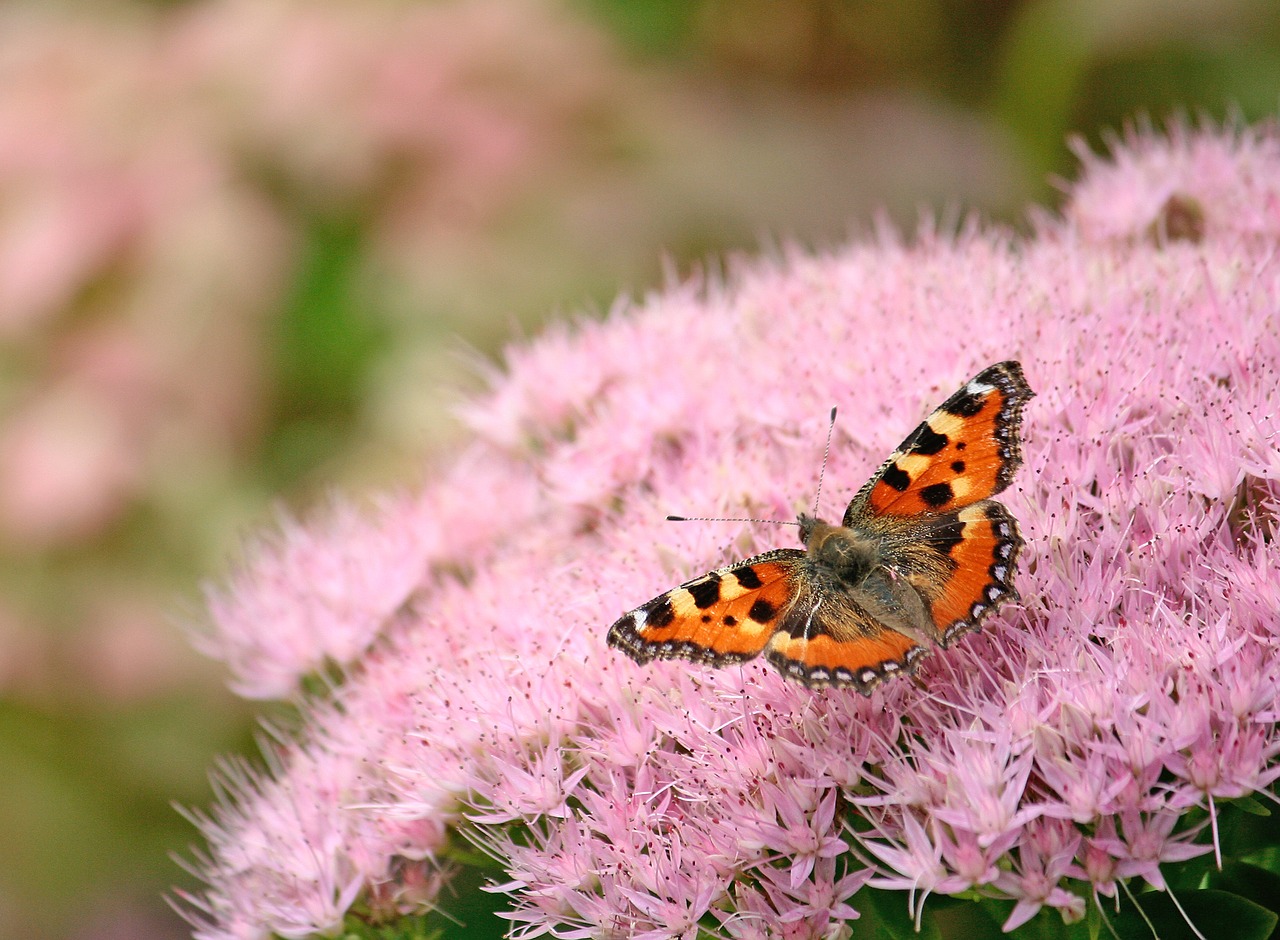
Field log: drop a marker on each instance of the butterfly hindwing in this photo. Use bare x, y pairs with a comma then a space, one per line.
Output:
840, 644
725, 616
966, 451
961, 563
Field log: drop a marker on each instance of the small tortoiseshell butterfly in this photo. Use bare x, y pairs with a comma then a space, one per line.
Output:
922, 556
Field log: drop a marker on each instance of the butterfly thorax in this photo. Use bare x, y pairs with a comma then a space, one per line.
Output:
846, 554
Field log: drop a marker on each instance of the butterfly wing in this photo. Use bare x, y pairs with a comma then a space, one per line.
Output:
722, 617
961, 564
834, 640
966, 451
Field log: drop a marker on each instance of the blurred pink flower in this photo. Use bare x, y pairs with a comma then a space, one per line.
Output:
155, 175
66, 465
1065, 742
429, 119
135, 272
1178, 186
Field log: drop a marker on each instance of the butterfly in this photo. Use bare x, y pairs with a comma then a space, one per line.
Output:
922, 556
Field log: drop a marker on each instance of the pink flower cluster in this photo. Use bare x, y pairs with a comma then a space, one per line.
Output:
1049, 759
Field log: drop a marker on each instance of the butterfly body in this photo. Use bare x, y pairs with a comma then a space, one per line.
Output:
921, 556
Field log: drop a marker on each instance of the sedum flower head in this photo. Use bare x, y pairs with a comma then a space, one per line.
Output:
1059, 754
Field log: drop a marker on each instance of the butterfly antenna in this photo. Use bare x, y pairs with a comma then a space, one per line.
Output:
826, 452
727, 519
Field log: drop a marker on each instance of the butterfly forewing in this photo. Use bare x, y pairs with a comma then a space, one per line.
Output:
966, 451
725, 616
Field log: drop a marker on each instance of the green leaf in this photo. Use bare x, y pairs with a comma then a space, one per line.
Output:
1251, 805
1190, 874
885, 917
468, 911
1267, 859
1214, 913
887, 911
408, 928
1258, 885
1047, 924
1243, 830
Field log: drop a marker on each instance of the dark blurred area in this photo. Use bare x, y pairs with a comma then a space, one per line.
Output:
251, 250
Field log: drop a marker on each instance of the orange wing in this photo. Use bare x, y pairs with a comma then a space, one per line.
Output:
723, 617
966, 451
864, 659
981, 579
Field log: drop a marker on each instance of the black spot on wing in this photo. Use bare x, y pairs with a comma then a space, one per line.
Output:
947, 536
937, 495
897, 478
957, 466
658, 612
762, 611
747, 577
928, 441
705, 591
963, 404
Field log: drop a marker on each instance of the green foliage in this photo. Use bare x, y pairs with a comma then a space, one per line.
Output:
465, 911
327, 343
81, 780
407, 928
653, 27
885, 917
1189, 915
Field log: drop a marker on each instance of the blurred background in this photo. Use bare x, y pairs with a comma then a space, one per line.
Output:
254, 250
